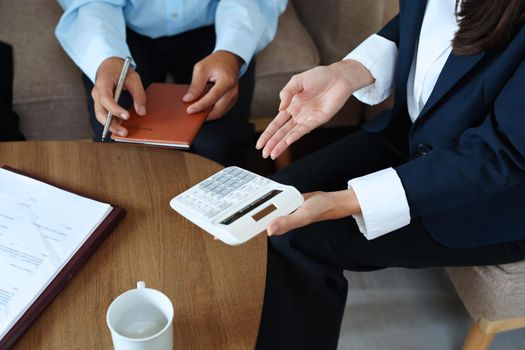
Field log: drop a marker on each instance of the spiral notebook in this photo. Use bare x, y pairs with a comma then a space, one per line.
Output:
46, 234
167, 123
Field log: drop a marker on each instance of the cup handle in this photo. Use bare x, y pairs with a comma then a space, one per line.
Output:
141, 285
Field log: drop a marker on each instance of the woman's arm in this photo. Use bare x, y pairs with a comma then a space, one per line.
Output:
484, 161
314, 97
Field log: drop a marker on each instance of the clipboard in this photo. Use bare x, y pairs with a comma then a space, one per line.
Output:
68, 271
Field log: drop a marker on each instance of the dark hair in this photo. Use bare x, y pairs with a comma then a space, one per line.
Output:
486, 25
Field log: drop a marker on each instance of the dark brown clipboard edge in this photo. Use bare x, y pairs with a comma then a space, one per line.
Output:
66, 274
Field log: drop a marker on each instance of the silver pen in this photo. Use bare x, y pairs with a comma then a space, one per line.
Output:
118, 90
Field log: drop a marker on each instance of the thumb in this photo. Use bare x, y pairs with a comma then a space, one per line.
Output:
199, 80
283, 224
292, 88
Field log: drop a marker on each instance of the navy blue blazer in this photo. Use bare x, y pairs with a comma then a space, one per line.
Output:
465, 175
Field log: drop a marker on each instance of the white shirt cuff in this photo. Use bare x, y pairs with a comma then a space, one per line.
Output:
379, 56
383, 202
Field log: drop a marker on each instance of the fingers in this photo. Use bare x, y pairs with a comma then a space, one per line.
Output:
293, 135
104, 96
283, 224
294, 86
284, 137
223, 105
117, 129
299, 218
218, 90
134, 85
274, 133
222, 69
199, 80
276, 139
101, 115
281, 119
308, 195
296, 133
104, 101
104, 90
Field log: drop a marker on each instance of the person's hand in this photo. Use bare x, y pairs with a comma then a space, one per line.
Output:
317, 206
103, 94
222, 69
310, 99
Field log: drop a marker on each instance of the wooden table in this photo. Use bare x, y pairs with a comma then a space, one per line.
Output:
216, 290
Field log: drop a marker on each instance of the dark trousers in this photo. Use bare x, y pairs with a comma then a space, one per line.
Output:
305, 288
226, 140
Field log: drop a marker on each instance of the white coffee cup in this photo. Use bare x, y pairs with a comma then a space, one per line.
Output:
141, 319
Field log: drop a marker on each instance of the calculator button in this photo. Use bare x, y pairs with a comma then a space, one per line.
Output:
207, 183
216, 194
224, 205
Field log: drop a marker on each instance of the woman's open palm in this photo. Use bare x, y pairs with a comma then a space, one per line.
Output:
308, 100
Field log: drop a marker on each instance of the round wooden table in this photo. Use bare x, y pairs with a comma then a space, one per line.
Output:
217, 290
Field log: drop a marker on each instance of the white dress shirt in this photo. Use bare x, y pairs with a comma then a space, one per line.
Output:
384, 206
91, 31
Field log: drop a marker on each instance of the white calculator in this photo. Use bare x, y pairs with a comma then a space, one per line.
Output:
235, 205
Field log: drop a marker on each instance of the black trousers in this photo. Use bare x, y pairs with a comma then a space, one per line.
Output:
226, 140
305, 288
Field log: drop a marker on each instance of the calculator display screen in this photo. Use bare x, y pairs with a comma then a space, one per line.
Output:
269, 209
234, 217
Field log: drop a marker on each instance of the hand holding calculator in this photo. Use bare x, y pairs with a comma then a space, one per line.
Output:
235, 205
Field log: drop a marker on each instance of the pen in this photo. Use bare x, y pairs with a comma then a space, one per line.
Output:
118, 90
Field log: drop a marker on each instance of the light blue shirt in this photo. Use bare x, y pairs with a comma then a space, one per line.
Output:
91, 31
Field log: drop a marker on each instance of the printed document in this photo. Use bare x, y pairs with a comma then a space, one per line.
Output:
41, 228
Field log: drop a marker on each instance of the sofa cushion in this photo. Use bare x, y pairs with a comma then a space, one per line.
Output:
491, 292
337, 26
48, 91
291, 52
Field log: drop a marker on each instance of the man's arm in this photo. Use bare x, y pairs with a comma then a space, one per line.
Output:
92, 31
244, 27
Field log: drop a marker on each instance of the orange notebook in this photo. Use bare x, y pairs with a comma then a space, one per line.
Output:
167, 124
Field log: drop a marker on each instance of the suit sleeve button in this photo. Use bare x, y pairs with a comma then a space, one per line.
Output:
423, 148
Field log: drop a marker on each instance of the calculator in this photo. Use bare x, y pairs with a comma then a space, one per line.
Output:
235, 204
